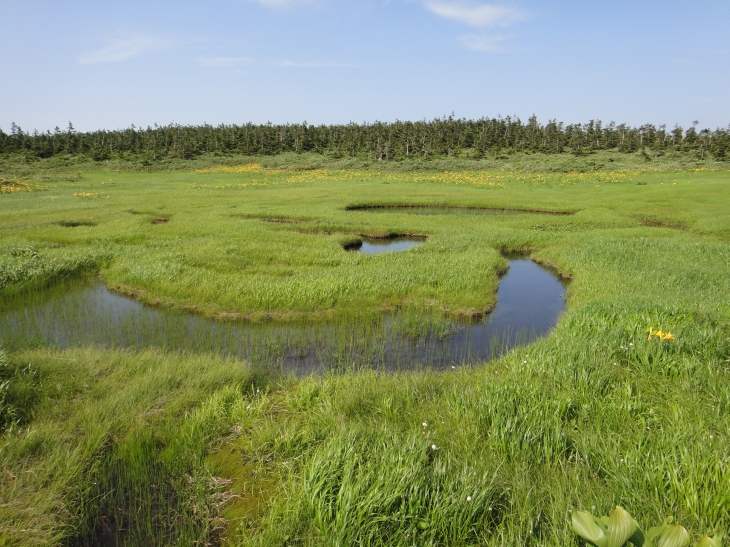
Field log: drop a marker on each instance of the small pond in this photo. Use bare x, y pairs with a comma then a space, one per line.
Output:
429, 211
530, 300
372, 246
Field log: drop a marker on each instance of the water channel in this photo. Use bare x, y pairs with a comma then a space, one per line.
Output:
530, 300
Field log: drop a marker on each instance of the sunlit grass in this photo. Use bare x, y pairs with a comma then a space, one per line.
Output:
595, 414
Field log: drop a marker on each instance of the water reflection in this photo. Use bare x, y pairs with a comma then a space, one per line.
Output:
530, 300
372, 246
429, 211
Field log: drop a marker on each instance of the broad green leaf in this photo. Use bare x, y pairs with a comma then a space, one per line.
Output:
602, 523
655, 531
673, 535
706, 541
585, 525
621, 526
638, 538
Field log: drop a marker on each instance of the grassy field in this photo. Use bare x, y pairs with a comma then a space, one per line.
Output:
164, 448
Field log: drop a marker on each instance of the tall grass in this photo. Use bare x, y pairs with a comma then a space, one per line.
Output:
111, 447
574, 421
218, 256
133, 448
29, 268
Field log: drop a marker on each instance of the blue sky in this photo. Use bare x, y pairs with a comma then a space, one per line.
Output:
104, 64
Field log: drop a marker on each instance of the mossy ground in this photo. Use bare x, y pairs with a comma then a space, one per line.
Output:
594, 414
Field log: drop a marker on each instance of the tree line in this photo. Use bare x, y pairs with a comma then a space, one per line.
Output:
447, 136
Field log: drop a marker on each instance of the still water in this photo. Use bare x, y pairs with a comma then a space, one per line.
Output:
530, 300
429, 211
372, 246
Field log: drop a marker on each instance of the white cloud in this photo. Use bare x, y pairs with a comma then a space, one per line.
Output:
226, 61
126, 47
479, 15
480, 42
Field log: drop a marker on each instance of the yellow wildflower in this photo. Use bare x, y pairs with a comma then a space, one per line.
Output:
659, 333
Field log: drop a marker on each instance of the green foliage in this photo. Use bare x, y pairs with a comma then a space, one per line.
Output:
377, 141
19, 387
620, 529
8, 413
346, 459
114, 452
25, 268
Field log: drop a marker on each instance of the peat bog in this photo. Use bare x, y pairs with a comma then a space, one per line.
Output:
262, 386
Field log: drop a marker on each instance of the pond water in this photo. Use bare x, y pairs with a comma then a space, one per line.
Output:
530, 300
372, 246
407, 210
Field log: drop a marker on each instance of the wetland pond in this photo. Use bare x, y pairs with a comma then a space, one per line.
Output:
530, 300
373, 246
454, 210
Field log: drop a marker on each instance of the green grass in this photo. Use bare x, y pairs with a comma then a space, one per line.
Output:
17, 168
593, 415
112, 442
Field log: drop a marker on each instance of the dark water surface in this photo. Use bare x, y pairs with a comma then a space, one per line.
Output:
429, 211
530, 300
372, 246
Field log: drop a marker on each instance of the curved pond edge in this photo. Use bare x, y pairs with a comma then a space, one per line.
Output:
530, 301
405, 206
358, 242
